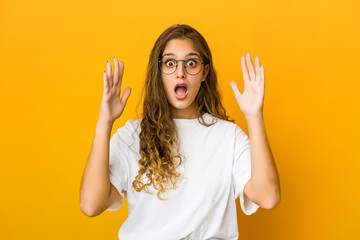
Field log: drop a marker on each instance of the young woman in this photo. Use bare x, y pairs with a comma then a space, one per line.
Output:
184, 163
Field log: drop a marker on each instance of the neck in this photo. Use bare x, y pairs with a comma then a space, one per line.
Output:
188, 113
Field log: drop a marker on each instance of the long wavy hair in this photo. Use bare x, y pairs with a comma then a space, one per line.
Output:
158, 133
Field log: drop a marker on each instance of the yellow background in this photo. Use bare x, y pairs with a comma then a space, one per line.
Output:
52, 57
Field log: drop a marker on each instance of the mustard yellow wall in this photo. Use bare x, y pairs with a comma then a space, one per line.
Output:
52, 57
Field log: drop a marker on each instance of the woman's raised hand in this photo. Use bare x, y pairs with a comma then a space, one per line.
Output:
251, 101
112, 105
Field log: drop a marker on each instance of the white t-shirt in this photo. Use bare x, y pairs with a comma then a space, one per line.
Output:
214, 173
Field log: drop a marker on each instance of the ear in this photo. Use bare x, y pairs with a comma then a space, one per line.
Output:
206, 71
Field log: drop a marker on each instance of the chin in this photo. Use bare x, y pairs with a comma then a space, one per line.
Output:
181, 105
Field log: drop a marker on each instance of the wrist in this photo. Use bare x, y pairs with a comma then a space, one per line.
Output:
104, 121
255, 123
103, 127
258, 117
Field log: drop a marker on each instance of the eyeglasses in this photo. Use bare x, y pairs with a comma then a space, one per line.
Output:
169, 65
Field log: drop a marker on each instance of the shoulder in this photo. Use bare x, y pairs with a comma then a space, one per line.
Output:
127, 134
221, 123
225, 125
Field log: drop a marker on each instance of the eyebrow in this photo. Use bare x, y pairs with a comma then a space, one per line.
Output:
189, 54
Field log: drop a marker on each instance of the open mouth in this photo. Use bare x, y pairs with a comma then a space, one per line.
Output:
181, 91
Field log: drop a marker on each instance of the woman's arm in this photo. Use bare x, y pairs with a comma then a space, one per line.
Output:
264, 185
96, 192
95, 183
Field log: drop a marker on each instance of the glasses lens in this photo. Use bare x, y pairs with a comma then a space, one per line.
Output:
192, 66
168, 65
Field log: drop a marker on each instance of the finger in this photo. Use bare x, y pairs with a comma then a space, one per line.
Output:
244, 70
116, 71
250, 67
126, 95
235, 89
121, 73
106, 83
109, 74
262, 81
118, 86
258, 73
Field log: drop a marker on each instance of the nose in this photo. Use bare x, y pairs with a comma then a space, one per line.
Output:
180, 70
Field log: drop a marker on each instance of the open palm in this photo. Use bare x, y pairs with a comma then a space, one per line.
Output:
251, 101
112, 105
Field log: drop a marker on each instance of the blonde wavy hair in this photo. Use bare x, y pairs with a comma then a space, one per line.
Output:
158, 132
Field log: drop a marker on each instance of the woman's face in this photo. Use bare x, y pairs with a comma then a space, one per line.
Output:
181, 98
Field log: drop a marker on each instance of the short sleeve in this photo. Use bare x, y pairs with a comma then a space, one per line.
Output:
118, 167
241, 172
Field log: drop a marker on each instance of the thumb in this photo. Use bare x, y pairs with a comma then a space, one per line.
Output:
235, 89
126, 95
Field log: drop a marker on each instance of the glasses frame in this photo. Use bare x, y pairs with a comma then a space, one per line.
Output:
202, 63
